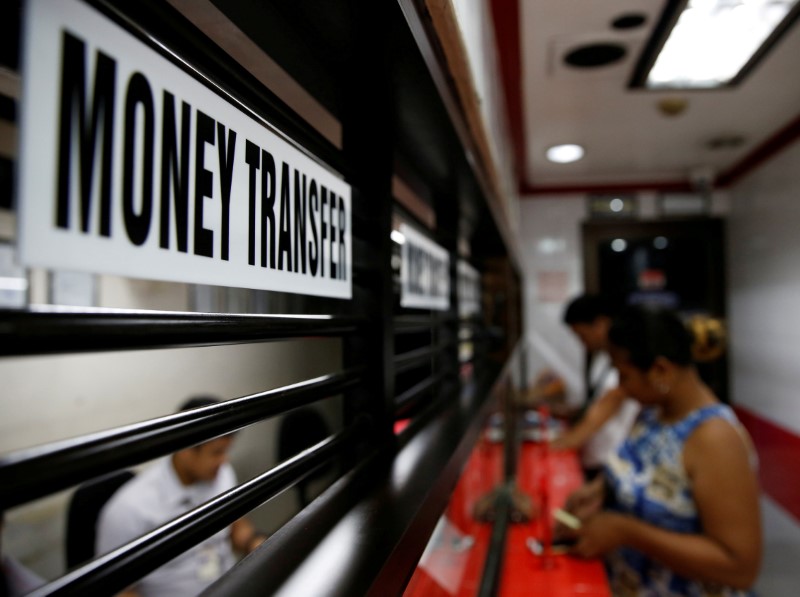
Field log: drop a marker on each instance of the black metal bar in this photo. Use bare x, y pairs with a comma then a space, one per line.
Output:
406, 401
62, 330
410, 324
420, 356
118, 569
413, 329
32, 473
402, 322
369, 128
511, 435
493, 565
414, 358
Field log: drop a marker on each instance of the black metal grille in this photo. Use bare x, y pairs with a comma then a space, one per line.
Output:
367, 68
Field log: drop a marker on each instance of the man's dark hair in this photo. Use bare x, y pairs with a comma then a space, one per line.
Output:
198, 401
588, 307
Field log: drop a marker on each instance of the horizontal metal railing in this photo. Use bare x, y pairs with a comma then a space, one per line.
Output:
406, 401
121, 567
412, 324
32, 473
419, 356
50, 330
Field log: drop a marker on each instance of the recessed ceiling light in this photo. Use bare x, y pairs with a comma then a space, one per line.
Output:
712, 43
619, 245
564, 154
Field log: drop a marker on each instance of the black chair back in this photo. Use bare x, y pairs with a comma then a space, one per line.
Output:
84, 510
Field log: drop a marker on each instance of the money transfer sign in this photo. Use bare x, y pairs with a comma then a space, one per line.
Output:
130, 165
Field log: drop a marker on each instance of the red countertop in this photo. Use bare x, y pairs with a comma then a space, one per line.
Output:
453, 564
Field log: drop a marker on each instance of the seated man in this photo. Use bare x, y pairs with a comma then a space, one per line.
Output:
169, 488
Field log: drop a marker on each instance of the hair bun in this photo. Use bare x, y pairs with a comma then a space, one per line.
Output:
709, 337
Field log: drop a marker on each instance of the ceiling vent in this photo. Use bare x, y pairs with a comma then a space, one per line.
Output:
595, 55
610, 56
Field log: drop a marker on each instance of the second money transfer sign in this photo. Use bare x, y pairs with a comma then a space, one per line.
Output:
424, 272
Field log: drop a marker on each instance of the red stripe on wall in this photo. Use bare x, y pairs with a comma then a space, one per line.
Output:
778, 454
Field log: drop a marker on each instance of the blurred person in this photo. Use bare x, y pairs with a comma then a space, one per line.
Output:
681, 501
170, 487
604, 421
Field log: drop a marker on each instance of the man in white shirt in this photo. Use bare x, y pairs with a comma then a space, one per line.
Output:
167, 489
609, 413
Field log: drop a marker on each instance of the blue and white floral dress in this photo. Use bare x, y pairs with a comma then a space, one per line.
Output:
646, 478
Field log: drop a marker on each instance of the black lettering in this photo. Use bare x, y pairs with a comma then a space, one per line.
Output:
419, 265
138, 225
332, 224
313, 250
252, 154
285, 238
436, 270
73, 104
411, 255
323, 225
342, 247
171, 172
299, 221
226, 152
203, 185
267, 208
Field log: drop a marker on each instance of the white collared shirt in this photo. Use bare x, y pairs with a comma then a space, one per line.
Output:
606, 440
152, 498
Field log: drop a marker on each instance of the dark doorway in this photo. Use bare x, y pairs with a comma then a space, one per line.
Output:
671, 263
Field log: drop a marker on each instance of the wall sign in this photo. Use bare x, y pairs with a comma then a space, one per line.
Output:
129, 165
469, 290
424, 272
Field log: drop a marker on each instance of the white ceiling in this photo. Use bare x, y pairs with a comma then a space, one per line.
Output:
627, 139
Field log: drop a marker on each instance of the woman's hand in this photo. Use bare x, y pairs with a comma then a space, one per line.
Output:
583, 503
587, 500
600, 534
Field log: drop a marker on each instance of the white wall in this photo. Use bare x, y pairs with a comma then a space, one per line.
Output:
764, 290
763, 294
551, 252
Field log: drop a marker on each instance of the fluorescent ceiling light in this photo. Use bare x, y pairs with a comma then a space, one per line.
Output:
713, 40
564, 154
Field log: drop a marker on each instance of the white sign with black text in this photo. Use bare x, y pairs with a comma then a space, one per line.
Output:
469, 290
424, 272
129, 165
